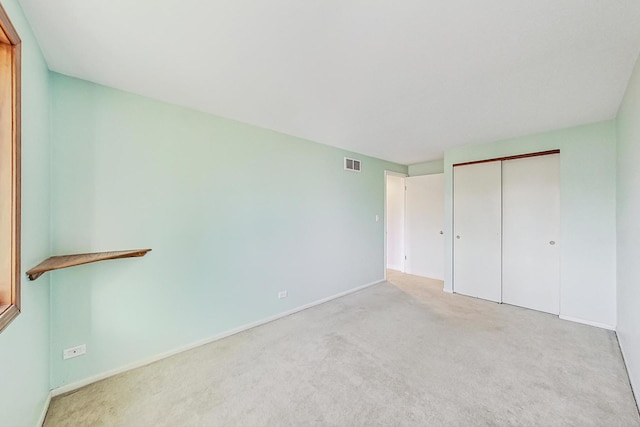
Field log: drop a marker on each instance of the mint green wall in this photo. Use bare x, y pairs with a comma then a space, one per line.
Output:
588, 212
628, 231
427, 168
24, 345
233, 213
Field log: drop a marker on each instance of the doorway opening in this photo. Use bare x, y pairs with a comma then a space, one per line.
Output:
414, 224
394, 221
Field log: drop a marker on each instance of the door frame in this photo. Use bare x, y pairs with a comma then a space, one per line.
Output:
386, 174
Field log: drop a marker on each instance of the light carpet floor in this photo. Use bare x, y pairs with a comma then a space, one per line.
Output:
399, 353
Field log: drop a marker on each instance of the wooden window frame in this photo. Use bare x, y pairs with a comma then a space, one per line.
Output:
10, 72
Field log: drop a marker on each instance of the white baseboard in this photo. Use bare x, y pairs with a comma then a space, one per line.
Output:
629, 373
94, 378
447, 290
588, 322
45, 409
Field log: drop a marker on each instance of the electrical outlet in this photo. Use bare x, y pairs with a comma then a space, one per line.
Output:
282, 294
74, 351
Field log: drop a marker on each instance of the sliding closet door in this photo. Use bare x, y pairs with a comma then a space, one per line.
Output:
477, 228
424, 223
531, 229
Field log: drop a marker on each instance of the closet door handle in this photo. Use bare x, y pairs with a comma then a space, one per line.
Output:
441, 232
552, 242
458, 237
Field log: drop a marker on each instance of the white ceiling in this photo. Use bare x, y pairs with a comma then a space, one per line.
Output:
399, 80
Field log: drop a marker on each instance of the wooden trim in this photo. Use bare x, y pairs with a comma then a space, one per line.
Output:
517, 156
7, 27
3, 37
7, 294
16, 209
8, 315
10, 197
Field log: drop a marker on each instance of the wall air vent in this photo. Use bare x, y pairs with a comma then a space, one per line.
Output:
351, 164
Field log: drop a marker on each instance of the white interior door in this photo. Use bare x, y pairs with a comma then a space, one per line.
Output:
424, 225
395, 222
531, 229
477, 211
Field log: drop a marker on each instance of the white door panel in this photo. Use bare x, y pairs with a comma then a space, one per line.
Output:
531, 222
477, 230
424, 222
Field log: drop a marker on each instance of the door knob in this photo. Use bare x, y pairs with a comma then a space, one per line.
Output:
457, 237
552, 242
441, 232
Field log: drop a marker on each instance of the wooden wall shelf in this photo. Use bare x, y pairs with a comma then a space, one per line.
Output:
64, 261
